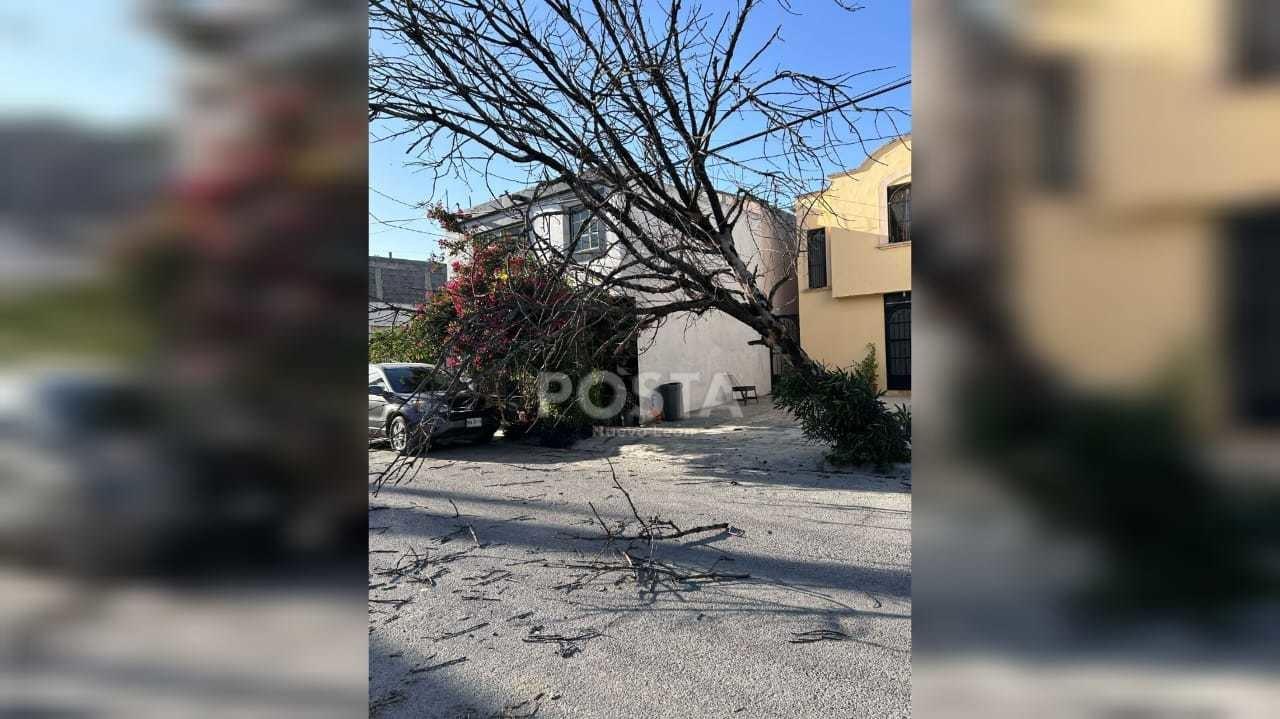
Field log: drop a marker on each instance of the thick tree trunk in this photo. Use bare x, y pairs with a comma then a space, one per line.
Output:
778, 335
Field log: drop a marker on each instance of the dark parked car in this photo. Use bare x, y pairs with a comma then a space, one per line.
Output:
89, 479
410, 402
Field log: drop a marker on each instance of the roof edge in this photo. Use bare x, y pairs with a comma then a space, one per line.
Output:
865, 165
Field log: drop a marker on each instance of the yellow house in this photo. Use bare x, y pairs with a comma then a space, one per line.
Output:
1159, 225
854, 270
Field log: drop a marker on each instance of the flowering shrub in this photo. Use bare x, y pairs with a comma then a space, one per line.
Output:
505, 308
420, 339
449, 220
504, 318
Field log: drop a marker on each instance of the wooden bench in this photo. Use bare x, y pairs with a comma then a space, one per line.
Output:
744, 391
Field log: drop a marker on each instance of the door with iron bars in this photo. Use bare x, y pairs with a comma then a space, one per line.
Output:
897, 340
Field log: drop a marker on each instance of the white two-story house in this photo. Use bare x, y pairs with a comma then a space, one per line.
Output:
706, 355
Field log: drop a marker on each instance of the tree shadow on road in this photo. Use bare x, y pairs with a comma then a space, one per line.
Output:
406, 683
573, 531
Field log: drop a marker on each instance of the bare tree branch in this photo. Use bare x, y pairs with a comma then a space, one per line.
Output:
657, 118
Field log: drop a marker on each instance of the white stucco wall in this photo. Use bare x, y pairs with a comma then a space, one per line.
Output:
700, 353
766, 240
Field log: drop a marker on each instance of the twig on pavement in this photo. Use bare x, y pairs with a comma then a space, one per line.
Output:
433, 667
818, 635
454, 635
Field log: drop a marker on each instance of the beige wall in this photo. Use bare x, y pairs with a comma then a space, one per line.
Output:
837, 322
1147, 287
856, 199
866, 264
836, 330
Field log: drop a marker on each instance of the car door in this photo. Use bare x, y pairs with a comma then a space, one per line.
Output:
377, 404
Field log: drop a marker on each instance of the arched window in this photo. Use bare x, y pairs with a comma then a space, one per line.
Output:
900, 213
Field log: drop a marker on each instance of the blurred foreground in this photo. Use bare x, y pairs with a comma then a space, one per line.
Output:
181, 520
1098, 359
282, 641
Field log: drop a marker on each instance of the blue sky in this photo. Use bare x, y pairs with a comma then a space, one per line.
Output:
94, 61
822, 40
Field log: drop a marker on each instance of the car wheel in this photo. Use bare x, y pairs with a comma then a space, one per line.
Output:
398, 433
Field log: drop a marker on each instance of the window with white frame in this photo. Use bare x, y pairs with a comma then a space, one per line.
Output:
586, 232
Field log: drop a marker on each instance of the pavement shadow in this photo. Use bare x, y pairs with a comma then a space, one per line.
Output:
582, 535
406, 683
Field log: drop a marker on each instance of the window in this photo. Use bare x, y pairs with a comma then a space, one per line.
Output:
586, 233
1057, 110
1252, 319
817, 250
508, 235
1257, 39
93, 407
900, 213
416, 378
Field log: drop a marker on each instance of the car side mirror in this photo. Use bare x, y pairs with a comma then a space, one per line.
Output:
377, 389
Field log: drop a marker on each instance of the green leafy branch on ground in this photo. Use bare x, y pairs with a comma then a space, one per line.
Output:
845, 408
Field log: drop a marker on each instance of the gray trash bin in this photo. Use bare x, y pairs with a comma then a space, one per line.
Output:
672, 401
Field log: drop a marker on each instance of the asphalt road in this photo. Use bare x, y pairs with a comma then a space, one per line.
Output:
510, 598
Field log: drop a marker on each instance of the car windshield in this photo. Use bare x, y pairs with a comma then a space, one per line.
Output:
411, 379
100, 407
